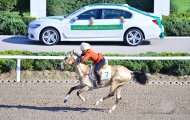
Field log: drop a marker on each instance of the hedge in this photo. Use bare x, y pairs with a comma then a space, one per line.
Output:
11, 23
177, 24
171, 67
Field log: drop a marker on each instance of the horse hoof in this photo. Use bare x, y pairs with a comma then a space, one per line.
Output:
97, 103
110, 111
65, 100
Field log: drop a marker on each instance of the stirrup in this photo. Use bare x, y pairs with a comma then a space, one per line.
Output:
100, 84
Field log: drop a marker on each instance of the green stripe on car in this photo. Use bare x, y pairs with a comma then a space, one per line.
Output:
97, 27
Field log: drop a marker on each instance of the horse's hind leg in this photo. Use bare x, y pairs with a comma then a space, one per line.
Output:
70, 91
118, 98
112, 92
84, 89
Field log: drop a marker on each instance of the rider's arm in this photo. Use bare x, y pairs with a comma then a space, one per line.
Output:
82, 55
85, 57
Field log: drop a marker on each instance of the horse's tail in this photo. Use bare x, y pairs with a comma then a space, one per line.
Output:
140, 77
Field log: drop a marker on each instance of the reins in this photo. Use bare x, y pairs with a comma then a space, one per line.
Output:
73, 66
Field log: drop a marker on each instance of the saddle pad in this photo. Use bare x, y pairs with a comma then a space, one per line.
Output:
105, 73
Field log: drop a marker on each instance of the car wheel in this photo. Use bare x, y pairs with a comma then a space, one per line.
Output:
133, 37
49, 36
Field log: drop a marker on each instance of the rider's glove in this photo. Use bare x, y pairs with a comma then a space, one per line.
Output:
78, 60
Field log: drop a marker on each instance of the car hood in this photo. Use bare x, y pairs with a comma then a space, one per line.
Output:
45, 20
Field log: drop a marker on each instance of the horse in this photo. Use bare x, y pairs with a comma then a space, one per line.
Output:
120, 75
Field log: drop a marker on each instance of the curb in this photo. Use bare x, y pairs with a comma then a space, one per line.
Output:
168, 37
176, 37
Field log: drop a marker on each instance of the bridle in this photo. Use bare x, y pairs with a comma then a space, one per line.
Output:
73, 65
74, 61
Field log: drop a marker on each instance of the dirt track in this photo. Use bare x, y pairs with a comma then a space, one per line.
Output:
44, 101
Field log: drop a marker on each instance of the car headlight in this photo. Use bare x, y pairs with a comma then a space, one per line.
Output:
34, 25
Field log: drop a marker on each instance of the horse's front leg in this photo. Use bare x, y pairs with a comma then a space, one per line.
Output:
71, 90
82, 90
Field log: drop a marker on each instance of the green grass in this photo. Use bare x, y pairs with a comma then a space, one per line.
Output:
183, 5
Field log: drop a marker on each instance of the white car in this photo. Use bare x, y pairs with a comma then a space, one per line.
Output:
98, 22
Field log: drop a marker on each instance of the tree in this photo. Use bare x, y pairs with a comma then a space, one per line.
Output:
145, 5
22, 6
7, 5
173, 7
61, 7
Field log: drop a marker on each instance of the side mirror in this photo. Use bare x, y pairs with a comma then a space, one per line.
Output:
74, 19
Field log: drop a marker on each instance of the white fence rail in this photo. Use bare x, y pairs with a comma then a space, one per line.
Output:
19, 58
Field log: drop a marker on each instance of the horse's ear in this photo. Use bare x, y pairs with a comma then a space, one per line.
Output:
72, 52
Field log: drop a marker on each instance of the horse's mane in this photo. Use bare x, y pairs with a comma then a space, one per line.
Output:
78, 57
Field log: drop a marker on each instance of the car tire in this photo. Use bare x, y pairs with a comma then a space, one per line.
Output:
133, 37
49, 36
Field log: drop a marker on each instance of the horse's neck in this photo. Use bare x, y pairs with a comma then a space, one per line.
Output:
82, 69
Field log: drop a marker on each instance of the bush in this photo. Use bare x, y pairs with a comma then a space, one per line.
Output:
188, 11
174, 67
176, 26
180, 15
6, 65
155, 66
28, 19
11, 23
27, 64
181, 68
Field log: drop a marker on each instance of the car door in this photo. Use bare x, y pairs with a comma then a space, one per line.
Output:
112, 24
82, 25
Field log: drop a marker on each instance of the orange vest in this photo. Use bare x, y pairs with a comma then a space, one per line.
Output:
91, 55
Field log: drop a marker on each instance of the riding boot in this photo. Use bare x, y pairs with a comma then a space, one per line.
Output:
99, 82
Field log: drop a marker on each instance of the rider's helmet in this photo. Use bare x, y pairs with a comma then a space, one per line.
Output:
84, 46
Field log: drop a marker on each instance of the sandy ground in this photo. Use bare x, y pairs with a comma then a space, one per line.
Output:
44, 101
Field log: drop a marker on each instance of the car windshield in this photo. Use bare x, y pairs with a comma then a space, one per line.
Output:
75, 13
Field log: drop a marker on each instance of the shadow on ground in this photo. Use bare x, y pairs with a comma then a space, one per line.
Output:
53, 109
20, 40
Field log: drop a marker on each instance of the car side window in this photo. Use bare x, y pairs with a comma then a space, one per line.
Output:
91, 13
116, 14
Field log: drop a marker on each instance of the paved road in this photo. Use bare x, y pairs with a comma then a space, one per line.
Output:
44, 101
171, 44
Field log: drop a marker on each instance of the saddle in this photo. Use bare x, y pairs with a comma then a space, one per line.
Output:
105, 72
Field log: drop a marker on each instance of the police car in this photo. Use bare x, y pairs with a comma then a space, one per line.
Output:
98, 22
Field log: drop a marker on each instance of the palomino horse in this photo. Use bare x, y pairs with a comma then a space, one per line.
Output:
119, 76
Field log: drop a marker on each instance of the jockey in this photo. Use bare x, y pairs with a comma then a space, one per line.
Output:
97, 58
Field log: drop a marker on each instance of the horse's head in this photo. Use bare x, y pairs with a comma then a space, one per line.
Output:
69, 59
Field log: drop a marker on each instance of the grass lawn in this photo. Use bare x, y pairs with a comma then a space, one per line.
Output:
183, 5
